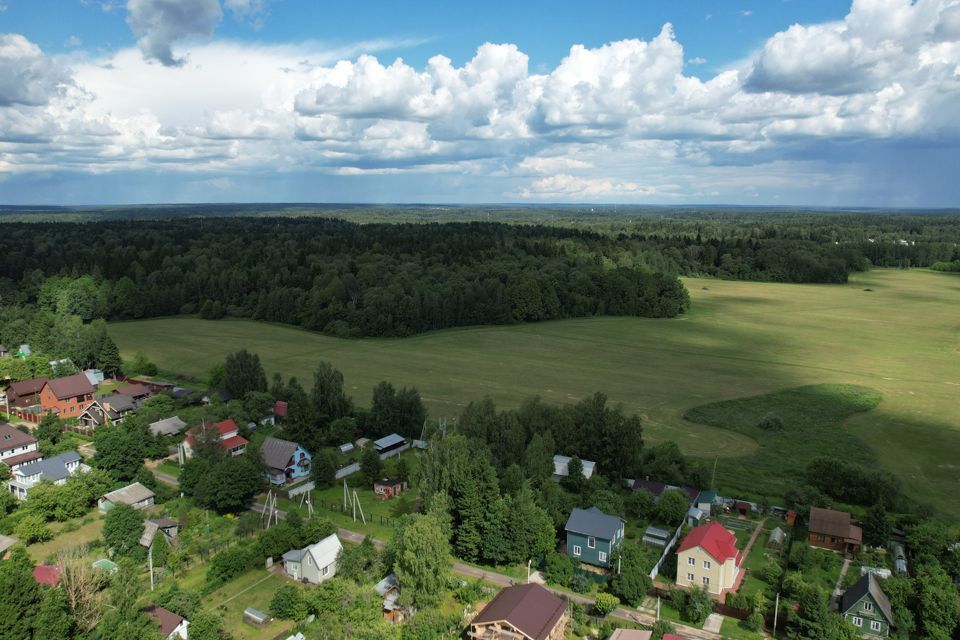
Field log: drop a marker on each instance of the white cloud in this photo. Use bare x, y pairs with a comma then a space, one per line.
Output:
27, 76
161, 23
697, 60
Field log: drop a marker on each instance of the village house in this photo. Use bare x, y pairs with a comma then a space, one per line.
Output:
96, 415
708, 557
228, 437
16, 447
389, 590
167, 427
387, 488
56, 470
136, 392
169, 529
315, 563
67, 397
135, 495
593, 536
170, 624
285, 460
867, 608
834, 530
561, 467
23, 399
522, 612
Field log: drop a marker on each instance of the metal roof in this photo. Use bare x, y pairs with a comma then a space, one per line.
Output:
561, 466
12, 438
53, 469
388, 441
593, 522
277, 453
167, 426
866, 584
529, 608
130, 494
70, 386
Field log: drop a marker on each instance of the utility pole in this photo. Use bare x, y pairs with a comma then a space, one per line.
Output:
713, 480
528, 569
150, 561
776, 610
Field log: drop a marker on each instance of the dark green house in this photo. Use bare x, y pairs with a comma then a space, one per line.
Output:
593, 536
867, 608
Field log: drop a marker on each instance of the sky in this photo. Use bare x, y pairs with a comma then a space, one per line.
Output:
755, 102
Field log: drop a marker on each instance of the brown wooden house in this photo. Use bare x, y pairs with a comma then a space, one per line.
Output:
522, 612
834, 530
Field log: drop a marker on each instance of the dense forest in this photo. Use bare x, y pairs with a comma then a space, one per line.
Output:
373, 274
342, 278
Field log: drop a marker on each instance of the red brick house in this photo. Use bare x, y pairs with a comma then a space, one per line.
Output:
67, 397
834, 530
387, 488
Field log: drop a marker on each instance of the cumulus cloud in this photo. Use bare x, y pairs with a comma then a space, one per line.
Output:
620, 121
27, 76
161, 23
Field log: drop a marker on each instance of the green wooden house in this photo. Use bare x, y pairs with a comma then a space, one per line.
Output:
593, 536
867, 608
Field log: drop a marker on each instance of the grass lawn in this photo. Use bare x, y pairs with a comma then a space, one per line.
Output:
740, 339
85, 534
252, 589
732, 628
169, 468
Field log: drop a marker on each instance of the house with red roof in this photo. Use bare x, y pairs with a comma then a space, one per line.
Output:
708, 557
228, 437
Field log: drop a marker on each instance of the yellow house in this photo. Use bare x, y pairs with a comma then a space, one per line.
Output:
708, 557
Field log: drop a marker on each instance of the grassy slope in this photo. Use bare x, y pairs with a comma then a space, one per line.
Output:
740, 339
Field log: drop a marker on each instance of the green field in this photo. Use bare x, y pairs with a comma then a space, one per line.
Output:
897, 332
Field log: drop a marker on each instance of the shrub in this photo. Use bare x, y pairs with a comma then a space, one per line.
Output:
770, 572
754, 621
697, 605
288, 603
770, 422
31, 529
660, 629
559, 569
580, 583
604, 603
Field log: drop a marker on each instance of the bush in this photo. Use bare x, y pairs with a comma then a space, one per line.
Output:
605, 603
31, 529
754, 621
580, 583
559, 568
660, 629
770, 422
697, 605
770, 573
288, 603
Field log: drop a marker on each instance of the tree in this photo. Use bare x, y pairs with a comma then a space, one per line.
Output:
31, 529
288, 603
631, 580
108, 358
538, 458
230, 483
421, 559
82, 585
574, 481
673, 506
329, 400
120, 449
122, 528
50, 428
640, 504
661, 628
124, 619
395, 412
937, 608
54, 621
371, 466
183, 602
605, 603
876, 526
204, 625
243, 373
323, 471
559, 568
697, 606
20, 595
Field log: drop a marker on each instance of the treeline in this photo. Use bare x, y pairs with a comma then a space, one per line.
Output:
333, 276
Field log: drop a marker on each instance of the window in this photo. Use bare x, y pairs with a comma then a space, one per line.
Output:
577, 550
820, 538
603, 557
875, 625
692, 561
690, 577
325, 571
591, 542
868, 606
706, 564
706, 580
857, 622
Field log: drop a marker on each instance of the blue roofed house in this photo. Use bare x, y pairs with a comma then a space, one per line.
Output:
285, 460
56, 470
593, 536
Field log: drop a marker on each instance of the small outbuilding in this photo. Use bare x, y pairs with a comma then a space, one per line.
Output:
390, 445
135, 495
168, 427
255, 617
561, 467
776, 538
389, 488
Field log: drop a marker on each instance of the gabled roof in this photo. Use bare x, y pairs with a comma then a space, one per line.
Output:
658, 488
120, 402
277, 453
150, 529
226, 426
52, 469
22, 458
867, 584
833, 523
13, 438
528, 608
165, 619
561, 466
326, 551
630, 634
130, 494
233, 442
714, 539
593, 522
134, 390
27, 387
70, 386
388, 441
168, 426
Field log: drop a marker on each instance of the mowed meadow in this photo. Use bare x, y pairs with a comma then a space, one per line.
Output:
897, 332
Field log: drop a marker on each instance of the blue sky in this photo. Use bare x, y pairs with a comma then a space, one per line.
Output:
653, 102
